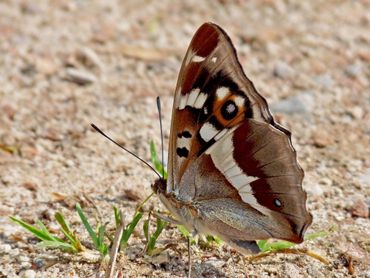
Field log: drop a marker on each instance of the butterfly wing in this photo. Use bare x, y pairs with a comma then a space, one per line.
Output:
209, 69
225, 148
259, 174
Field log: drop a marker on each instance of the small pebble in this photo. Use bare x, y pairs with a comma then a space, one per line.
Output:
161, 258
365, 177
365, 55
314, 189
302, 103
360, 208
29, 273
283, 70
292, 271
5, 248
216, 263
38, 263
14, 252
23, 259
356, 112
45, 66
89, 58
353, 70
9, 111
25, 265
324, 80
326, 181
322, 139
80, 77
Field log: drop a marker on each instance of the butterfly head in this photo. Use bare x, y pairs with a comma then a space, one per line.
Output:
159, 186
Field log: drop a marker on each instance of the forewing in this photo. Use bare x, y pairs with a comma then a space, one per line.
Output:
212, 96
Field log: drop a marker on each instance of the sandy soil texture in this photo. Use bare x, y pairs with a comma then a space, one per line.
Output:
66, 64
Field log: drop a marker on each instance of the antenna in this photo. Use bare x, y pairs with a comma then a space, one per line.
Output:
130, 152
161, 128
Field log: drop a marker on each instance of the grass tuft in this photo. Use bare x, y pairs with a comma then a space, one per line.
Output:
71, 243
96, 237
48, 240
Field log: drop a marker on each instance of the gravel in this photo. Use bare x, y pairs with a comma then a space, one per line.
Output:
283, 70
66, 64
302, 103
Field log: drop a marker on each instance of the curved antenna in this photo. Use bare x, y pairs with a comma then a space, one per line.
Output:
130, 152
161, 128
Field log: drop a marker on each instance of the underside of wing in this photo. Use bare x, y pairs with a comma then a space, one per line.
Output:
260, 164
212, 95
224, 144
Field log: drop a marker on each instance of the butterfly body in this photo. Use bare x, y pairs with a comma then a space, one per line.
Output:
232, 170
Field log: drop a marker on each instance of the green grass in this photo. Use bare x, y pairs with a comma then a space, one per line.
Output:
130, 229
156, 162
70, 244
97, 236
101, 240
152, 239
266, 246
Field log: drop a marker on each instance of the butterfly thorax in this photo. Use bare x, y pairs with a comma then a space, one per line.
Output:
182, 211
161, 189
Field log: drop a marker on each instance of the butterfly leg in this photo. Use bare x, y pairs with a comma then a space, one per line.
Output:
176, 222
167, 218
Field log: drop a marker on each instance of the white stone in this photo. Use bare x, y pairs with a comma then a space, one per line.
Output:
29, 273
5, 248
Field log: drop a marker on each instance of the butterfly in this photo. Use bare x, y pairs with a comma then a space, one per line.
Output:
232, 170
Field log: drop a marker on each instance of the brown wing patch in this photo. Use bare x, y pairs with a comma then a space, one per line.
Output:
205, 40
265, 152
192, 72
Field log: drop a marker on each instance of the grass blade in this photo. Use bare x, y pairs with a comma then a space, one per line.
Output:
69, 234
117, 216
87, 225
186, 234
312, 236
47, 239
278, 245
153, 239
262, 244
266, 246
156, 161
102, 247
39, 233
62, 222
214, 239
130, 228
65, 228
46, 232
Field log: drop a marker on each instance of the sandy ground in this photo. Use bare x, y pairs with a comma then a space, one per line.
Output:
65, 64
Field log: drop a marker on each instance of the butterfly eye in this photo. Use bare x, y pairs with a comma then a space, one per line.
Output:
277, 203
229, 110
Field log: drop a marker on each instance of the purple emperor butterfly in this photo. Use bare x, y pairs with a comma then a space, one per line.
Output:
232, 171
